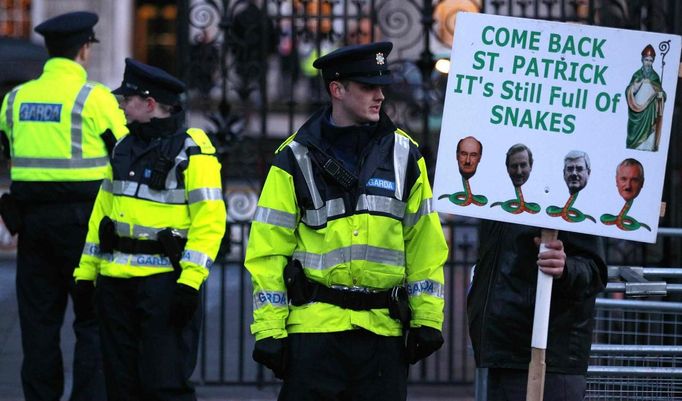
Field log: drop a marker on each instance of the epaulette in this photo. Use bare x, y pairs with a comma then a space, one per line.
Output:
202, 140
286, 142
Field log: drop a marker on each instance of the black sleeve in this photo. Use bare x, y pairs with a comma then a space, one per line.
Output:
109, 140
585, 274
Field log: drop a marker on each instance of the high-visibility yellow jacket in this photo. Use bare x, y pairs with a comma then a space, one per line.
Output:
54, 124
380, 235
191, 203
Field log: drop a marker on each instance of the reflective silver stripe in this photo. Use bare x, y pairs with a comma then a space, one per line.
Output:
59, 163
303, 160
333, 207
348, 254
277, 299
152, 232
275, 217
144, 260
197, 258
425, 208
170, 196
130, 188
124, 188
401, 151
10, 110
122, 229
376, 203
107, 185
205, 194
143, 232
77, 122
91, 249
416, 288
171, 177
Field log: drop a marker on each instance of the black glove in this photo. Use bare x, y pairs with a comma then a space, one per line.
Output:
84, 299
183, 305
272, 352
422, 342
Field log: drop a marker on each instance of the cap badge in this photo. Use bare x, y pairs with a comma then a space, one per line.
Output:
381, 60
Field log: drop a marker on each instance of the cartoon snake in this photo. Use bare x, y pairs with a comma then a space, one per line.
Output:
623, 221
465, 198
518, 205
568, 212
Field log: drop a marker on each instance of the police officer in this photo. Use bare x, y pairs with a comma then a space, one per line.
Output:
57, 130
345, 215
154, 232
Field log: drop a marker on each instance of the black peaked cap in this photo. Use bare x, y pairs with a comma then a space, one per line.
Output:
148, 81
361, 63
70, 29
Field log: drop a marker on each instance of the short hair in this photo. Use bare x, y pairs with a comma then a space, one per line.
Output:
344, 82
631, 162
519, 147
480, 145
168, 108
577, 154
69, 52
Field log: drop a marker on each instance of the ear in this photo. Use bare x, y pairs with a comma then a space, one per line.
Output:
150, 104
82, 50
336, 89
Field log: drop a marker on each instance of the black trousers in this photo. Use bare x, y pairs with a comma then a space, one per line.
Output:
352, 365
49, 248
510, 385
145, 358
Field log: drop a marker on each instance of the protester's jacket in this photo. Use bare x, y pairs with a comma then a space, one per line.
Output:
502, 297
190, 202
54, 128
381, 233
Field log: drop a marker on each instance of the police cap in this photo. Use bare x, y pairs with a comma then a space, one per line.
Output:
361, 63
148, 81
68, 30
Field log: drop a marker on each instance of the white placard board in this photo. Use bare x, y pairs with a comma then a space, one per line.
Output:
562, 91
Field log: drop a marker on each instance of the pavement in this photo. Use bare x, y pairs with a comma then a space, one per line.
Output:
10, 358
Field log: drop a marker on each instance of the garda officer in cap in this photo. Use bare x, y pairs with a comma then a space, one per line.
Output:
57, 130
154, 232
345, 250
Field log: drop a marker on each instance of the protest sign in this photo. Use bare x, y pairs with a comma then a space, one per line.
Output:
557, 125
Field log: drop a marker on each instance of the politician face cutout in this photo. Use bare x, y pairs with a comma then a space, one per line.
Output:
519, 164
469, 151
629, 179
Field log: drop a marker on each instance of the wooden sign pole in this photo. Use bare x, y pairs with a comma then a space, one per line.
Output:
543, 297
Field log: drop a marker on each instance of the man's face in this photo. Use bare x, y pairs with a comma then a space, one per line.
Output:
359, 104
468, 156
135, 108
519, 168
576, 174
629, 181
647, 62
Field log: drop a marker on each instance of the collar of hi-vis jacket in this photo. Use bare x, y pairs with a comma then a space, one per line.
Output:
310, 133
159, 127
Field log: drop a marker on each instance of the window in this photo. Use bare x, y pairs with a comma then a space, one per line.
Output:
15, 18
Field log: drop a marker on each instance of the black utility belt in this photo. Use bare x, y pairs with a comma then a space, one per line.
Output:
350, 299
167, 243
301, 290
